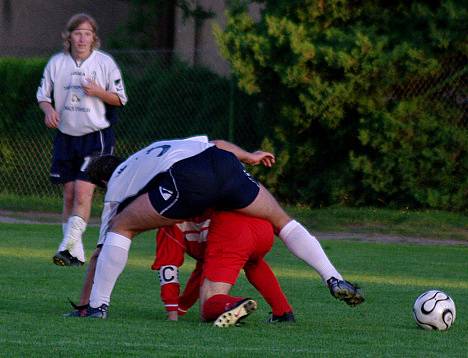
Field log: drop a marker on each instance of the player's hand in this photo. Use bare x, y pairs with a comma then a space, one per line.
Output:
91, 88
266, 158
172, 316
51, 118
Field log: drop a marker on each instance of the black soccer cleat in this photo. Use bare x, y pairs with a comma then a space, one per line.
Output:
98, 312
234, 315
79, 311
288, 317
345, 291
64, 258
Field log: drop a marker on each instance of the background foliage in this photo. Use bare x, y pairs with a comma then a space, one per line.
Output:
167, 99
366, 100
364, 103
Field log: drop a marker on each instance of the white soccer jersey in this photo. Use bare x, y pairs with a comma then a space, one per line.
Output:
80, 114
140, 168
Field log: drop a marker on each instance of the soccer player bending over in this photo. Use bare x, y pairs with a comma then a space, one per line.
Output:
171, 181
236, 241
222, 246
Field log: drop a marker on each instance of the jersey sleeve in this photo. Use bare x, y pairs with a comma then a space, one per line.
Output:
44, 91
170, 247
116, 84
169, 257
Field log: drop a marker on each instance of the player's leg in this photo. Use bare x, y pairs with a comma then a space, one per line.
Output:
83, 198
137, 217
218, 306
81, 308
303, 245
68, 194
229, 245
243, 193
264, 280
260, 274
71, 251
68, 190
298, 240
84, 148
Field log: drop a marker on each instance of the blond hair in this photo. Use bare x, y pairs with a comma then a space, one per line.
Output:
72, 24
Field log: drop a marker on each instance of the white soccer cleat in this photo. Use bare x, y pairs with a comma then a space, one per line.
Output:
234, 315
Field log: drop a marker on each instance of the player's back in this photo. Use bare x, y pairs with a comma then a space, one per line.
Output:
140, 168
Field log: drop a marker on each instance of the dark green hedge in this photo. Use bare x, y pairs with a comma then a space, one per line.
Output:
366, 99
18, 105
167, 99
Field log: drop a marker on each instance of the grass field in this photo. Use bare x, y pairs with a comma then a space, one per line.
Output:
34, 293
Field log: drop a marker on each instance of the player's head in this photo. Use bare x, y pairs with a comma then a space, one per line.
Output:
80, 22
100, 169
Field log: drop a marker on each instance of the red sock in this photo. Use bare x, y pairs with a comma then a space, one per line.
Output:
264, 280
217, 304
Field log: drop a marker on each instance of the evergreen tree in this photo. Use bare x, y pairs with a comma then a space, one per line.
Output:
365, 100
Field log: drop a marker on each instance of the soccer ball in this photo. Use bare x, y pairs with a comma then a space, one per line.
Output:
434, 310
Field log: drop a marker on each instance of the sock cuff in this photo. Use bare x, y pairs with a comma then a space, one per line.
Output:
114, 239
76, 221
287, 229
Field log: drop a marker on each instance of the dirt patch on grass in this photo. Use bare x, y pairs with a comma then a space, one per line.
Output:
385, 238
15, 217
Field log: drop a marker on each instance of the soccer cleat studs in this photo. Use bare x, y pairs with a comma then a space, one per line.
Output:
345, 291
234, 316
64, 258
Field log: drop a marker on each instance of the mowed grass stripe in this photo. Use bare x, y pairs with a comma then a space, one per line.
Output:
27, 255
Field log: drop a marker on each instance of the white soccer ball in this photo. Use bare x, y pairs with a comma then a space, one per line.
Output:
434, 310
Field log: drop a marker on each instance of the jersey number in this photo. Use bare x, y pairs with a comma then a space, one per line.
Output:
164, 148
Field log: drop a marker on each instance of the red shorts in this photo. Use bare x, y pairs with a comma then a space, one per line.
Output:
234, 240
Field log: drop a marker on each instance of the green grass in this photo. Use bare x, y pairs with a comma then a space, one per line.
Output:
428, 223
34, 295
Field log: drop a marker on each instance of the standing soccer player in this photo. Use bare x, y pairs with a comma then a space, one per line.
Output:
79, 93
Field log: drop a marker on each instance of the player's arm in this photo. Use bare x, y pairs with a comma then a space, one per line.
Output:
192, 289
44, 98
91, 88
254, 158
51, 117
169, 257
114, 91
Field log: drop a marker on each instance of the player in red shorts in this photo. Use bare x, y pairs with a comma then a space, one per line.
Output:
236, 241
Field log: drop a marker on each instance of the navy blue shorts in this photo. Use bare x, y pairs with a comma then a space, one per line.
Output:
212, 179
71, 154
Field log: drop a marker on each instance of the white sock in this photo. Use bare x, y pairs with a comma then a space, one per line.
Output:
74, 229
64, 229
110, 264
306, 247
